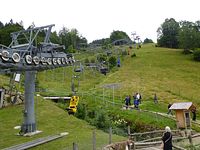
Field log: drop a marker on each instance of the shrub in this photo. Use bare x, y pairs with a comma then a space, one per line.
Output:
112, 61
101, 57
102, 120
71, 49
92, 60
81, 111
87, 61
187, 51
133, 55
197, 55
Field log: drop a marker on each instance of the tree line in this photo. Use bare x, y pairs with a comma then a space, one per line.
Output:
70, 38
183, 34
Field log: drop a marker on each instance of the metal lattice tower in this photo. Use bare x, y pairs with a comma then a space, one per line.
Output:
26, 54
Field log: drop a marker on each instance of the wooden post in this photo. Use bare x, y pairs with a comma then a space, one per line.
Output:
103, 94
110, 135
190, 137
75, 146
129, 132
1, 97
94, 140
113, 95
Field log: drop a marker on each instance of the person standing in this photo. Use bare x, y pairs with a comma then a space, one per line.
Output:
169, 110
127, 101
138, 97
118, 62
194, 114
155, 99
167, 139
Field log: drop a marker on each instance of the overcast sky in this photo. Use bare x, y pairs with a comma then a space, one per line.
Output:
96, 19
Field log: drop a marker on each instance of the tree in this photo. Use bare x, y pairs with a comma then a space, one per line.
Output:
1, 25
6, 30
188, 35
168, 33
54, 38
117, 35
70, 38
147, 41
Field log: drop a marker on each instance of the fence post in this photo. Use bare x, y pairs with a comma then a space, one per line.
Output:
110, 135
113, 95
94, 140
190, 138
129, 132
75, 147
1, 97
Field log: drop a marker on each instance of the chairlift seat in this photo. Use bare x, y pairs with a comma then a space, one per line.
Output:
78, 70
104, 70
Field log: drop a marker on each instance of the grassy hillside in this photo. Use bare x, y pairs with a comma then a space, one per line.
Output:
171, 75
167, 72
51, 120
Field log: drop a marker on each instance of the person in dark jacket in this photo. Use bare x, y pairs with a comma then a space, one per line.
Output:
194, 114
167, 139
127, 101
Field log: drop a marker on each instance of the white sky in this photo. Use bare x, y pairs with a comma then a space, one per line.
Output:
96, 19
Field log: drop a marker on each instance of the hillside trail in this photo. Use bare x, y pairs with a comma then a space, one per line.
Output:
197, 122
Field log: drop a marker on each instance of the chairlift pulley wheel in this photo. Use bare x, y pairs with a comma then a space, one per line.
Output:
36, 60
16, 57
28, 59
5, 55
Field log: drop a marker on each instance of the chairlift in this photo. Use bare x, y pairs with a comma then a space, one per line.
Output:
73, 105
78, 66
75, 83
104, 70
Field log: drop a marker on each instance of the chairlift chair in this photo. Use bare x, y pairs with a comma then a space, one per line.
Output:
78, 66
72, 109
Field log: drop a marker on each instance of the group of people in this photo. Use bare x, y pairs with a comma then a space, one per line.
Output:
136, 100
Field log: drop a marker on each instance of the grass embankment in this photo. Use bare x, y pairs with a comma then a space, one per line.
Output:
50, 120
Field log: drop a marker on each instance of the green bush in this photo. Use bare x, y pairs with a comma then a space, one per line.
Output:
71, 49
87, 61
101, 57
133, 55
102, 120
81, 111
92, 60
197, 55
112, 61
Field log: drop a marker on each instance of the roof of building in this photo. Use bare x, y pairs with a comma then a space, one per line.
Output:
182, 105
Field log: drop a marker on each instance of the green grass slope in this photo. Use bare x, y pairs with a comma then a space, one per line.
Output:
174, 77
167, 72
50, 120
